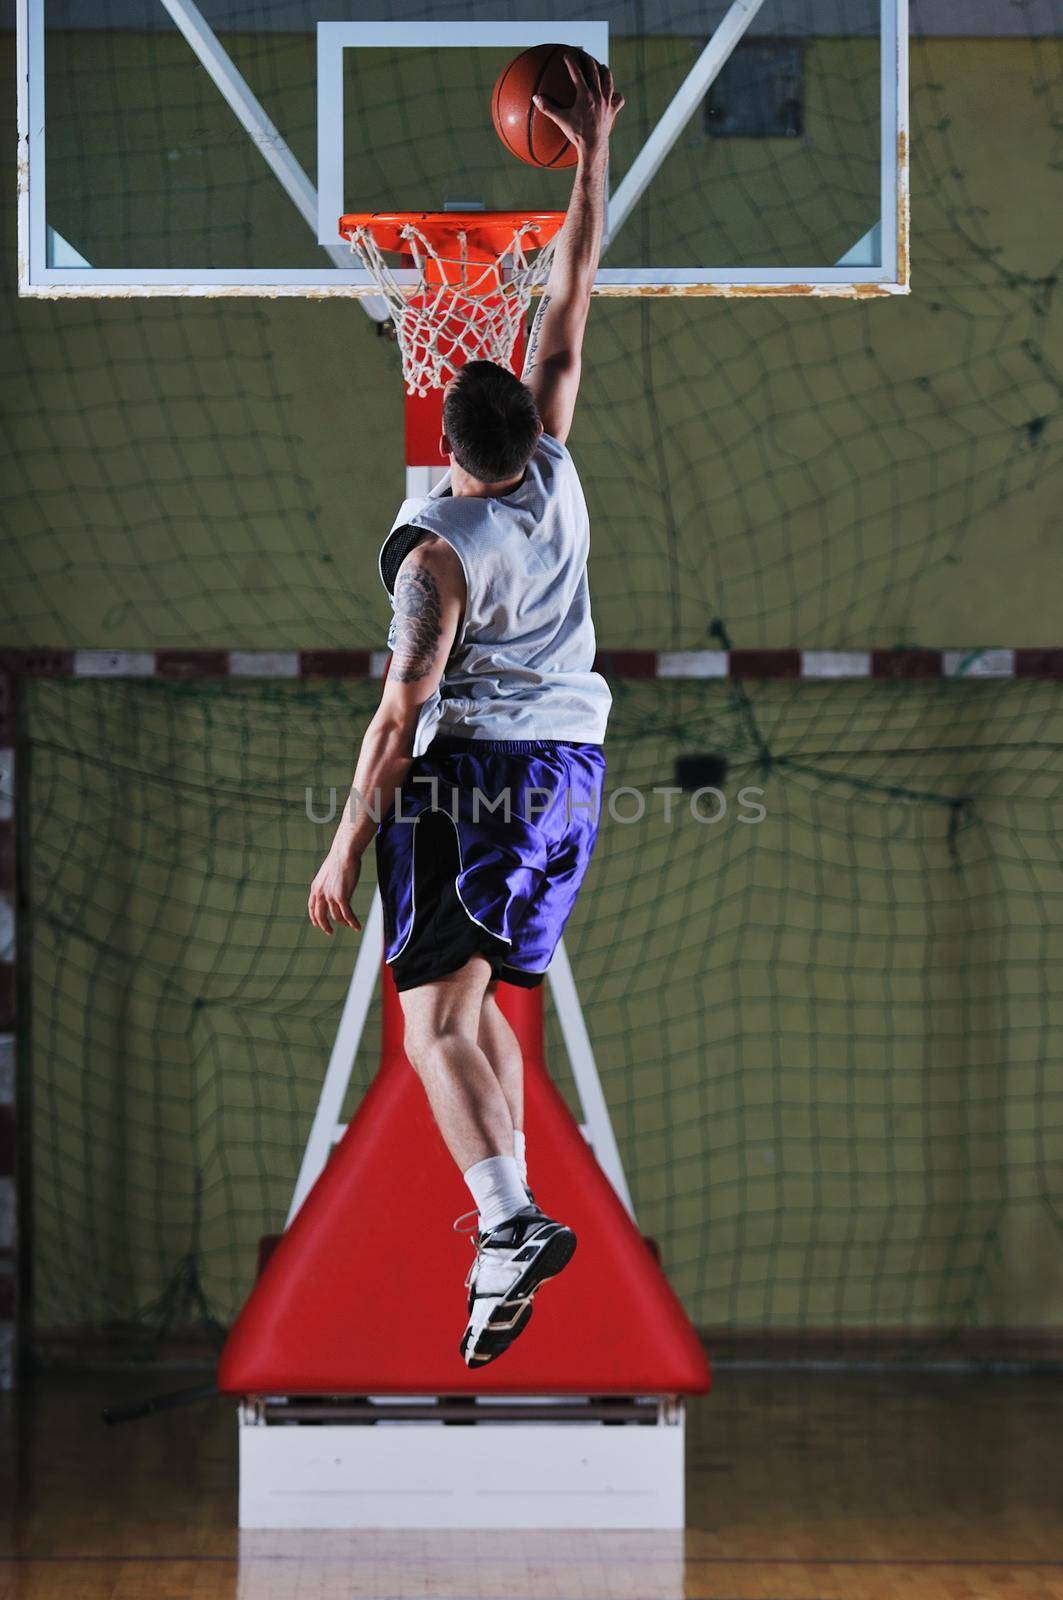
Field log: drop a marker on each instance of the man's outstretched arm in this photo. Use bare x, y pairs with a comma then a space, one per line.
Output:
555, 344
429, 603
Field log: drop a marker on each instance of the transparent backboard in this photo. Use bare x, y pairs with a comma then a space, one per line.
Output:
170, 148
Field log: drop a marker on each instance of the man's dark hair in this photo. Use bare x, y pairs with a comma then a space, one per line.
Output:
490, 419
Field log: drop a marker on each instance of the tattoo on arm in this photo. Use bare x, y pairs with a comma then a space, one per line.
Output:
535, 335
418, 624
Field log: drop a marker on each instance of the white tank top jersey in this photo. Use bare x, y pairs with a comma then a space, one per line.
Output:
522, 663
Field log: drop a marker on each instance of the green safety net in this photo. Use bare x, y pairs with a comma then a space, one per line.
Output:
824, 1020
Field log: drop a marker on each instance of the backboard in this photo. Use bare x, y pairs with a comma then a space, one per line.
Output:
175, 149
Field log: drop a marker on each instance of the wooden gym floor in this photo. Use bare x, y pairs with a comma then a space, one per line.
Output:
802, 1486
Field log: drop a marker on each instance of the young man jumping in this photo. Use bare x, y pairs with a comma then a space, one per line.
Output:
489, 731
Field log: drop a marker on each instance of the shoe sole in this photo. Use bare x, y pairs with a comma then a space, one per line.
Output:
551, 1260
494, 1342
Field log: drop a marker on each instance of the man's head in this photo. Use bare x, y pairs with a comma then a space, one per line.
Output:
490, 424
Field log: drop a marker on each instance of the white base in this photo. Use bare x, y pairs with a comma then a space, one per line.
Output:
485, 1475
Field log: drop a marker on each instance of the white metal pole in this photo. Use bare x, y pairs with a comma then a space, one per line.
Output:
342, 1059
585, 1073
422, 480
691, 91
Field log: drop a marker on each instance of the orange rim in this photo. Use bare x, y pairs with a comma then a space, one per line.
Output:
487, 233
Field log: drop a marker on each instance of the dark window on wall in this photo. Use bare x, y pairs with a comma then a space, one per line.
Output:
759, 93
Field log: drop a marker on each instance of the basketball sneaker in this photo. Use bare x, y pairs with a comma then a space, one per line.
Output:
512, 1262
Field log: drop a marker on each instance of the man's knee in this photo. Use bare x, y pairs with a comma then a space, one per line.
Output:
417, 1042
431, 1043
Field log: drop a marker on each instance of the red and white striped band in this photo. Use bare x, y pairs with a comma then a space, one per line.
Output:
745, 664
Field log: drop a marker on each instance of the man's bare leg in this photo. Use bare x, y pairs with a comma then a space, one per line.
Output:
502, 1048
474, 1097
468, 1102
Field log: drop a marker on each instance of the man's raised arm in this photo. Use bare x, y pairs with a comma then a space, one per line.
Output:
555, 345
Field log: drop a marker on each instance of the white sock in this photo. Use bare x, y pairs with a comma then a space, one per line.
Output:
496, 1186
520, 1153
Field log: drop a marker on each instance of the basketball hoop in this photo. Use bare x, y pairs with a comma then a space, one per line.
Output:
476, 273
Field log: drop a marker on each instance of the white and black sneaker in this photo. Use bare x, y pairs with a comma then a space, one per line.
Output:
512, 1262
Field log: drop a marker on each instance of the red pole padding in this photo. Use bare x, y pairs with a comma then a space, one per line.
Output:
424, 418
364, 1293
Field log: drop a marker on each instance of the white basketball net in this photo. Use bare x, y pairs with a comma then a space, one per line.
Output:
476, 316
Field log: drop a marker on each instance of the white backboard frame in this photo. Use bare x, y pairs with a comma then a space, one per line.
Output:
51, 267
333, 38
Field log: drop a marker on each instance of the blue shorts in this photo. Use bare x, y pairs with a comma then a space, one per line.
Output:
484, 854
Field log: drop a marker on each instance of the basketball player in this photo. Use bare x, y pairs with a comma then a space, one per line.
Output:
489, 733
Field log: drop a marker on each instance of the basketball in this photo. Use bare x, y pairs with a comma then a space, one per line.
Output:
527, 132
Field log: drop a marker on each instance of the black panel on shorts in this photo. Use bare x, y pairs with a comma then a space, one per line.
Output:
443, 936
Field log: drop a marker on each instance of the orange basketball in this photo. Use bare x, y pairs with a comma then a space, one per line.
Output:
527, 132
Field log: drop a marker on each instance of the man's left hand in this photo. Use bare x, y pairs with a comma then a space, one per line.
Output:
331, 891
